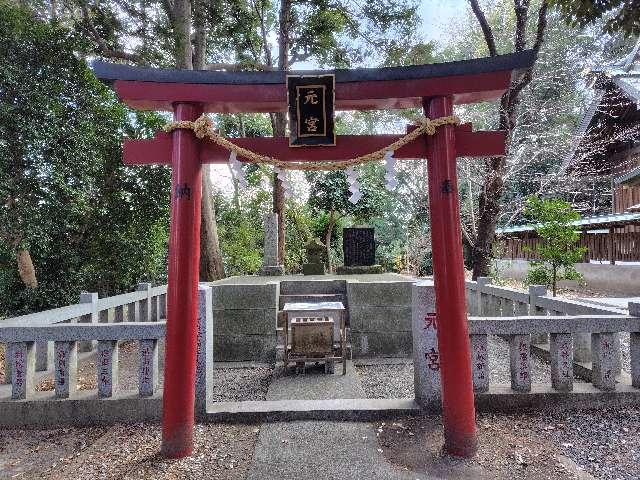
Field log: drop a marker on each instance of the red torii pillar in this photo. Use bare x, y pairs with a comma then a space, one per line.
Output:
182, 291
458, 410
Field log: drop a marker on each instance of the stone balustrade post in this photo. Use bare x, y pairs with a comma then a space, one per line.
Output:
65, 363
536, 291
144, 305
520, 362
163, 306
92, 298
133, 312
426, 357
148, 367
204, 359
154, 309
480, 362
561, 351
604, 361
21, 355
44, 355
7, 366
481, 297
107, 368
634, 309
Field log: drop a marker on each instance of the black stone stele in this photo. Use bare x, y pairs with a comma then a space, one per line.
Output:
311, 110
358, 246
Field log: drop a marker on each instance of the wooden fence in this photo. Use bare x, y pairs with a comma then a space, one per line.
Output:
605, 247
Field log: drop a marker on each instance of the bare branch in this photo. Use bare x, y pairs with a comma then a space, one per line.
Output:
104, 49
525, 79
486, 29
521, 8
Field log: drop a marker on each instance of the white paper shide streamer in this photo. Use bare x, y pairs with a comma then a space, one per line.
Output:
236, 169
354, 185
284, 178
391, 182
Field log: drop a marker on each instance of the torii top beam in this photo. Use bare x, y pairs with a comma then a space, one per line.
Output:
467, 81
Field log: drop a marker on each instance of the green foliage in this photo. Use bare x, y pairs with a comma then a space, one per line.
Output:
88, 222
558, 251
620, 15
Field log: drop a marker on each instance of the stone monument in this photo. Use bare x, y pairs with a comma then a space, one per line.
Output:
315, 258
359, 248
270, 265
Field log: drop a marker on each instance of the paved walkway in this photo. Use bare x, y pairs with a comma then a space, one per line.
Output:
320, 450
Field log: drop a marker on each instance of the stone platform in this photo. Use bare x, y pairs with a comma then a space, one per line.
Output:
245, 311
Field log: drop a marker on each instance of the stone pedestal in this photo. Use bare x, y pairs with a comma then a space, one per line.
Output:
313, 269
270, 265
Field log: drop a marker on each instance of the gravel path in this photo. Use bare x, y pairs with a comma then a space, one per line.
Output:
605, 442
229, 384
396, 381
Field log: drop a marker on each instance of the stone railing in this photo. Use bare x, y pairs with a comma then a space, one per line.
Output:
146, 304
65, 337
518, 327
484, 299
21, 404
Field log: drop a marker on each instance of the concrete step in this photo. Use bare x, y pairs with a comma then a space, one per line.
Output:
318, 287
313, 298
350, 409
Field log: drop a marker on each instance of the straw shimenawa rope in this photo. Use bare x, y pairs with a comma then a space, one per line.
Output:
203, 128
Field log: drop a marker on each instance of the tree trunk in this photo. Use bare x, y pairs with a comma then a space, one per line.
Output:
26, 269
181, 19
279, 129
327, 239
188, 58
489, 199
279, 121
211, 265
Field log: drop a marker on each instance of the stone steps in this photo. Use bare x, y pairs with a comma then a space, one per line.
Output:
307, 286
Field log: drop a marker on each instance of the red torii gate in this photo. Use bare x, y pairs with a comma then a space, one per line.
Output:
435, 87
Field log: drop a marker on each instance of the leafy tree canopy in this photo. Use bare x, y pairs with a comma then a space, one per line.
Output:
620, 15
85, 220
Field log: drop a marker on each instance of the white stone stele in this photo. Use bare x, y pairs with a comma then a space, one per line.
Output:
426, 358
204, 356
270, 264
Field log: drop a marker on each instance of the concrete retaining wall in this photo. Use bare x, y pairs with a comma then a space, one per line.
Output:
612, 279
245, 322
380, 316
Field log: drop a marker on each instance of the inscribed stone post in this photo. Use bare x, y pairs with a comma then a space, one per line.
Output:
426, 358
270, 265
204, 358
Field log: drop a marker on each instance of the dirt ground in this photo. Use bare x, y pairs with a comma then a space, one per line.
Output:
509, 448
222, 452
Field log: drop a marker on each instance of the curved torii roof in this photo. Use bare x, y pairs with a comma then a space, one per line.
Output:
467, 81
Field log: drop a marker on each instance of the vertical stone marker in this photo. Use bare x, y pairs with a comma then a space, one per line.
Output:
426, 358
66, 368
634, 310
270, 265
